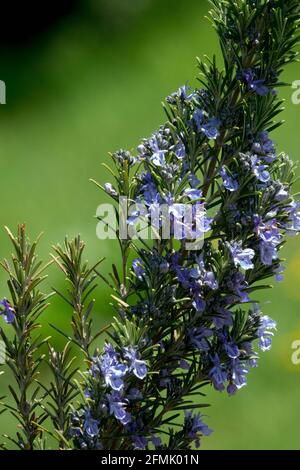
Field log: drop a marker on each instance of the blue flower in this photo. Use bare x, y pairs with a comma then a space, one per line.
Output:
270, 238
248, 348
137, 366
164, 267
140, 442
237, 284
193, 193
90, 425
198, 337
264, 147
261, 173
198, 117
136, 430
241, 257
229, 346
136, 213
117, 407
269, 232
293, 225
199, 303
258, 86
268, 253
108, 366
194, 181
138, 268
185, 93
183, 275
195, 427
8, 312
237, 376
220, 315
218, 373
149, 189
209, 279
201, 221
114, 376
156, 441
259, 170
211, 128
231, 388
205, 276
180, 150
281, 193
183, 364
194, 279
229, 183
265, 332
158, 158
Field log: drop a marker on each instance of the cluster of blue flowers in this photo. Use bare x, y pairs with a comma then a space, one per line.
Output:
213, 280
164, 156
113, 373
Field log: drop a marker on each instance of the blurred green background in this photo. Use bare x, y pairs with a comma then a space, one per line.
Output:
90, 80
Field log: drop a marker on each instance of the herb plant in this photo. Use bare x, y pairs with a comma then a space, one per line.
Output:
185, 318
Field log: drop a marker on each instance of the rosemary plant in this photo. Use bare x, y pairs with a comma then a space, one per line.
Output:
61, 392
81, 279
186, 314
23, 348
